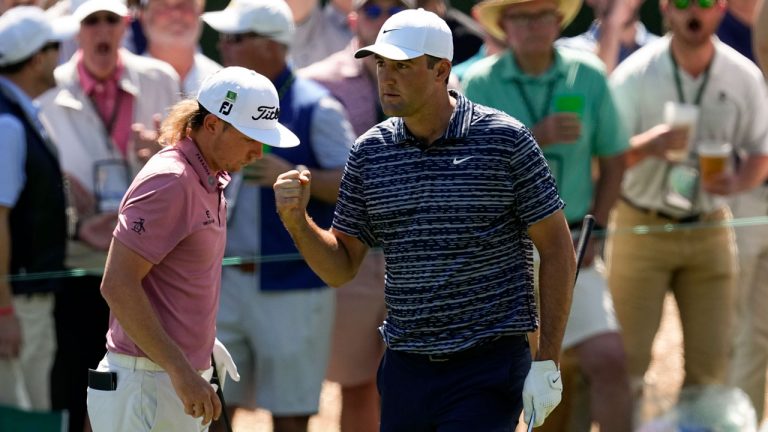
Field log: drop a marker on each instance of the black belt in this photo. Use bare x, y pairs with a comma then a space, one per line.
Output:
660, 214
470, 352
247, 267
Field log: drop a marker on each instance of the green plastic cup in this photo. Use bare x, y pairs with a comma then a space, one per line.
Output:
573, 103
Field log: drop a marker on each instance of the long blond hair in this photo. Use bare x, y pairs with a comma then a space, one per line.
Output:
184, 117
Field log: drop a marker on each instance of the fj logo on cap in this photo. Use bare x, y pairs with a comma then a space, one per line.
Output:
267, 113
229, 100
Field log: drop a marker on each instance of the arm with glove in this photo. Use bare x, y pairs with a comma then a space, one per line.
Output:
223, 363
543, 387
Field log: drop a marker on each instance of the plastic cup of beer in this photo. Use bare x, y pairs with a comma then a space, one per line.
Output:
714, 159
680, 115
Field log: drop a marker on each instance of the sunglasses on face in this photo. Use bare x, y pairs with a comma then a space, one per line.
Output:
522, 20
373, 11
92, 20
685, 4
236, 38
53, 45
183, 7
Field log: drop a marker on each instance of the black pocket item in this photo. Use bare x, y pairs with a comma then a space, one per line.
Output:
102, 380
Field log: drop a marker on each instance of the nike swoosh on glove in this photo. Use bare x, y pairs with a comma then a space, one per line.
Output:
224, 363
542, 391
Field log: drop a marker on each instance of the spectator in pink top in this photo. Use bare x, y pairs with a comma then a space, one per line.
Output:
163, 273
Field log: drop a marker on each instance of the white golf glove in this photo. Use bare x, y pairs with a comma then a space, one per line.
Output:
542, 391
224, 363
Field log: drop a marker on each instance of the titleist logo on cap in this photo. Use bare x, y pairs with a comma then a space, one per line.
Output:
233, 93
267, 113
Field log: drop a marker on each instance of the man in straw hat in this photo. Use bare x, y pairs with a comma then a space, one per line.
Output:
456, 194
163, 274
562, 95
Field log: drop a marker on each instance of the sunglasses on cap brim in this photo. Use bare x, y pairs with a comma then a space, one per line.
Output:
685, 4
373, 11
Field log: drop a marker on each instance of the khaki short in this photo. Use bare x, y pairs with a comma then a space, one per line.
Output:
592, 310
280, 342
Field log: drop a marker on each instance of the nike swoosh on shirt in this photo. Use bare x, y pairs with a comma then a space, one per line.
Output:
458, 161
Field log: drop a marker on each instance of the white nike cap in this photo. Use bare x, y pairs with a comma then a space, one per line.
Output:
410, 34
25, 30
270, 18
248, 101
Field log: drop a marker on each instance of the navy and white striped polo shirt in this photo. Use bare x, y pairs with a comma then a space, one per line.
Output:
452, 220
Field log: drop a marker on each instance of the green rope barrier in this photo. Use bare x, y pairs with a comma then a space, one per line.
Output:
238, 260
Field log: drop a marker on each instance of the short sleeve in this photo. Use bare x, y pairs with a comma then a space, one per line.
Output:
14, 154
623, 90
153, 216
351, 216
610, 134
535, 188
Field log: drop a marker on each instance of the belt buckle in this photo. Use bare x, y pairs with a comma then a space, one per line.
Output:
437, 358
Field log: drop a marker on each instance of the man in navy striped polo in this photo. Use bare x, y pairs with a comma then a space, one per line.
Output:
456, 194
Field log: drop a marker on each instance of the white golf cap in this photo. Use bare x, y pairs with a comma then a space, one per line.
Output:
89, 7
248, 101
410, 34
24, 30
269, 18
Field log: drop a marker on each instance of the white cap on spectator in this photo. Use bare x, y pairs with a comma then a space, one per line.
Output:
269, 18
24, 30
248, 101
410, 34
89, 7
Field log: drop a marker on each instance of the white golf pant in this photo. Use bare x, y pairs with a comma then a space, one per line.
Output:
143, 401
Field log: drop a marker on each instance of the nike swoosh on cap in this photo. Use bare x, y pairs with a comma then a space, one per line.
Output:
389, 30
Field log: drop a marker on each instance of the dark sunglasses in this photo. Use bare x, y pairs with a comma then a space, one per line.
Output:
53, 45
236, 38
373, 11
685, 4
92, 20
523, 20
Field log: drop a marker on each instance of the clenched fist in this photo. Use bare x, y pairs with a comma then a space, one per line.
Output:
292, 195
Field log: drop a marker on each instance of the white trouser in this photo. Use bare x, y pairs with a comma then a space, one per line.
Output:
143, 401
25, 381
